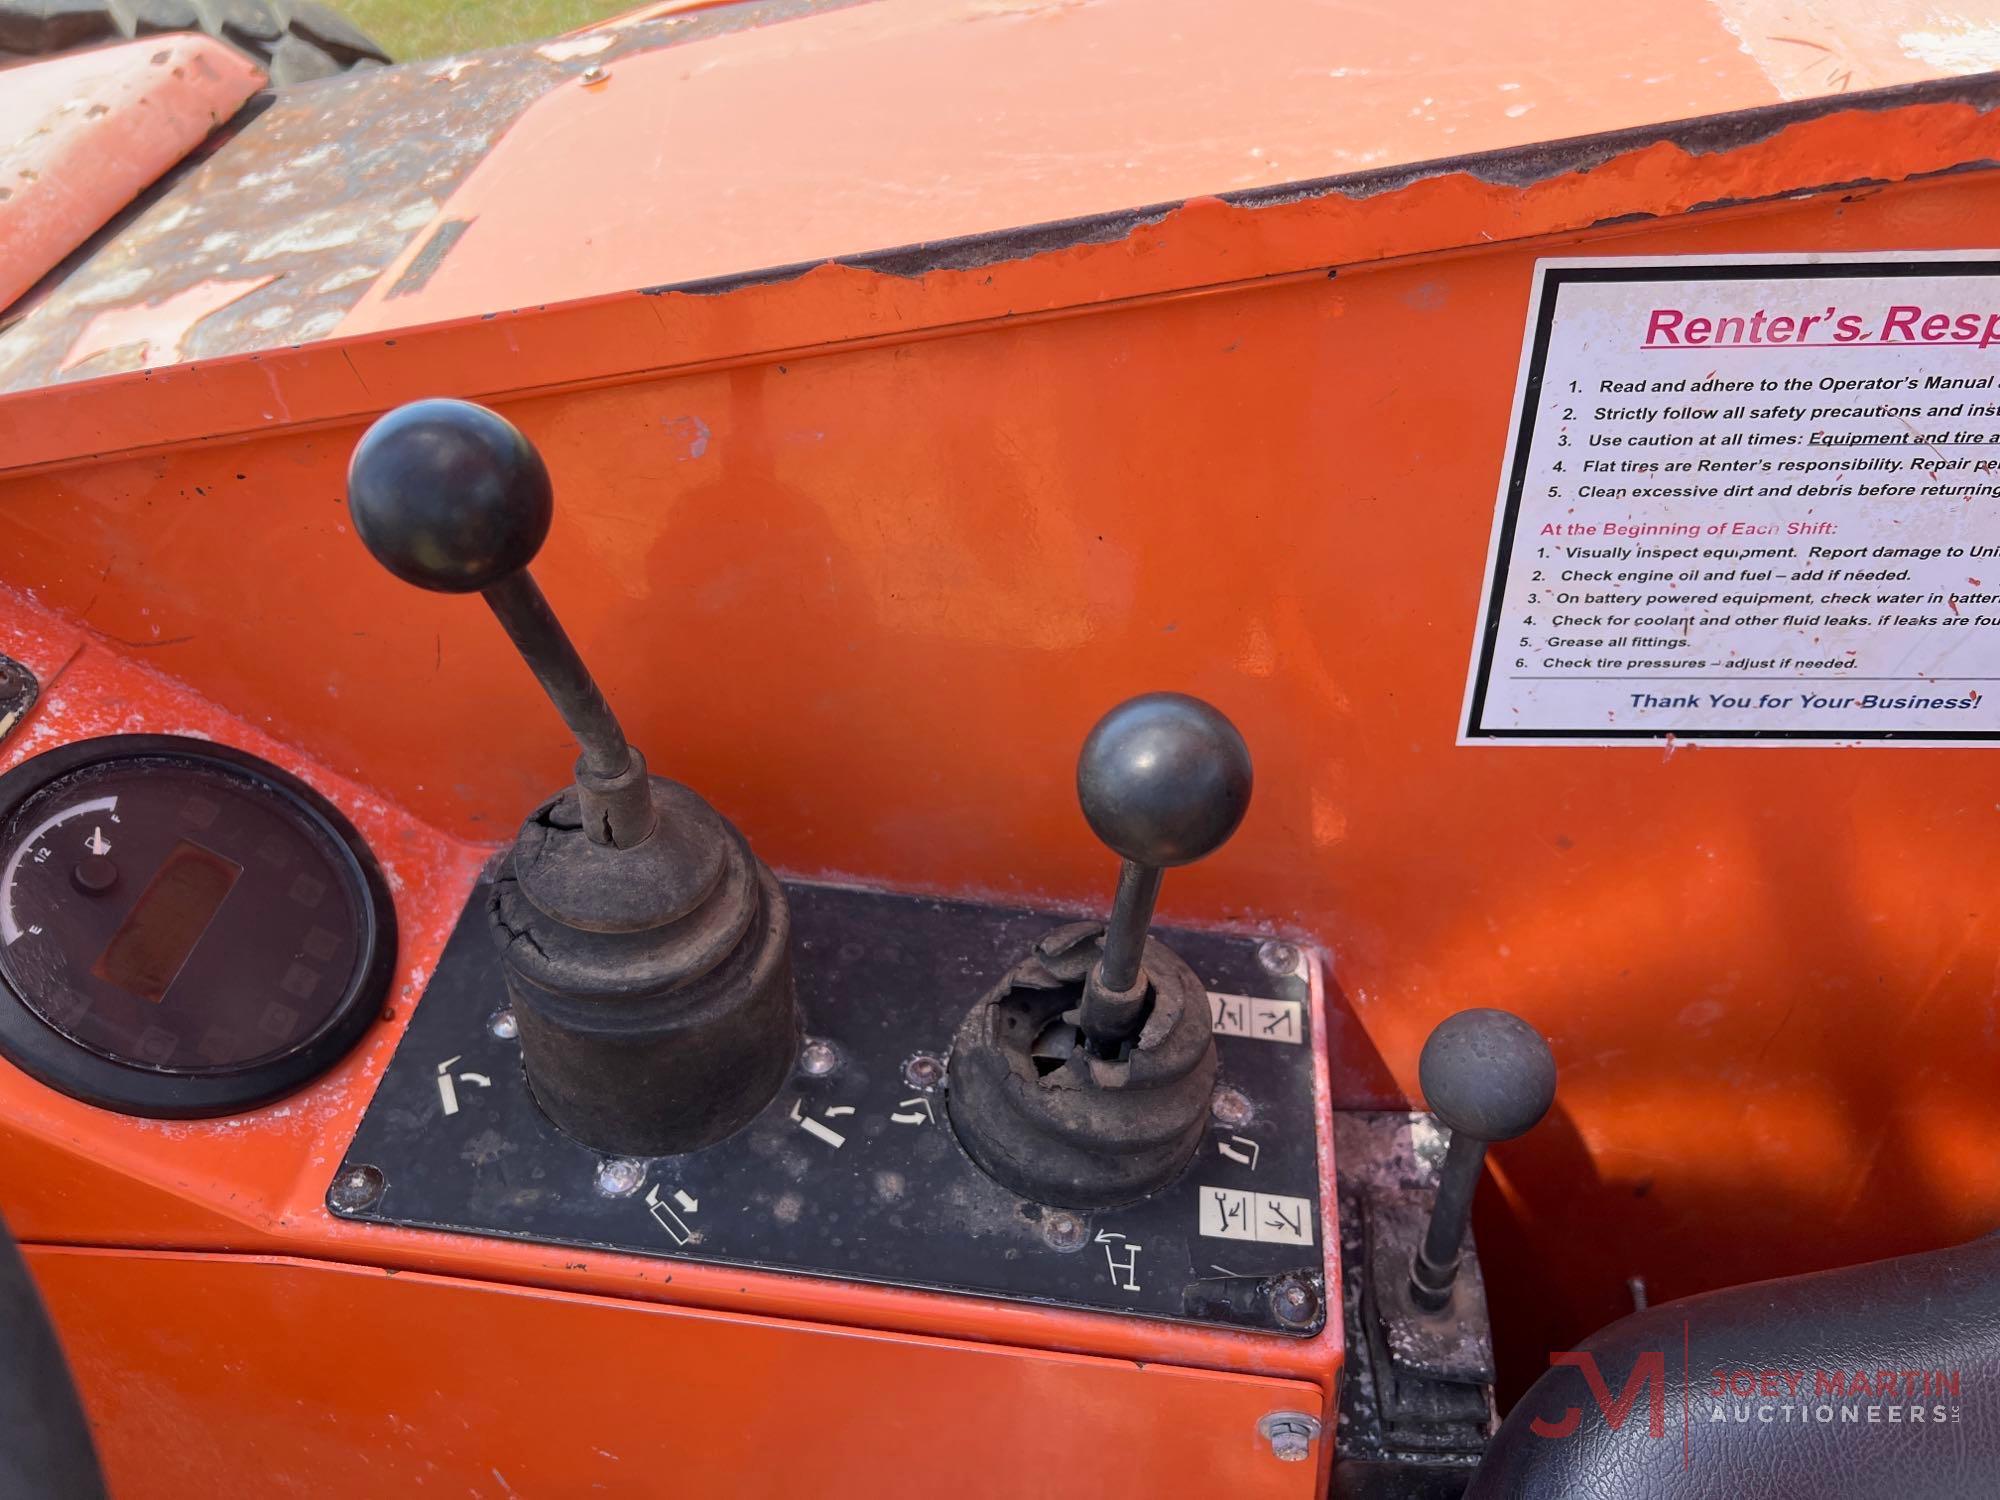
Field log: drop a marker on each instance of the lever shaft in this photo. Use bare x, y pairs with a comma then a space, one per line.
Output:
524, 613
1487, 1076
1435, 1267
1125, 933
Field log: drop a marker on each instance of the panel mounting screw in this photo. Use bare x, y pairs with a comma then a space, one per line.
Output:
1064, 1230
620, 1176
1231, 1107
1293, 1301
1279, 958
1291, 1435
503, 1025
593, 75
356, 1188
924, 1072
818, 1057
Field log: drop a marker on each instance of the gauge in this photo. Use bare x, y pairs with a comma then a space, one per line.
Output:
185, 929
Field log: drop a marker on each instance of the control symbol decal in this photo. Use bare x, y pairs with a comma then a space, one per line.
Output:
1129, 1266
666, 1218
1271, 1218
905, 1115
1250, 1016
1237, 1152
813, 1127
447, 1083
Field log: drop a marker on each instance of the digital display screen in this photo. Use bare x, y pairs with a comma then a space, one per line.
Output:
154, 941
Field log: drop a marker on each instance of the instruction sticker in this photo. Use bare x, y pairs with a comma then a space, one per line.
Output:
1272, 1218
1263, 1020
1751, 501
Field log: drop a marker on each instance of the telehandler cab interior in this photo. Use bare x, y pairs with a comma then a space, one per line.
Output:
1002, 748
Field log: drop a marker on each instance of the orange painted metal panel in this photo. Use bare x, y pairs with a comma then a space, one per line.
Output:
869, 598
83, 135
285, 1378
906, 122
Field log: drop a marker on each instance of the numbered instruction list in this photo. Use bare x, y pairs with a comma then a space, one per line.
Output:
1750, 500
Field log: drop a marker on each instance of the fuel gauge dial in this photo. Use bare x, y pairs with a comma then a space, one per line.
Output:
185, 929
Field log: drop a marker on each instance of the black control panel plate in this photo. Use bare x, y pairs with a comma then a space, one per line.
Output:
855, 1173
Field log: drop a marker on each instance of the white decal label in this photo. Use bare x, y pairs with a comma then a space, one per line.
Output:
1246, 1015
1121, 1259
1754, 501
1241, 1149
1231, 1214
448, 1081
664, 1215
813, 1127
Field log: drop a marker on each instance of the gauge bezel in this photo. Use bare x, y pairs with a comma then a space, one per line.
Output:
38, 1049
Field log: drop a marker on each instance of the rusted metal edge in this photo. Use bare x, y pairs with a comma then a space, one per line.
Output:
1581, 154
1513, 166
1698, 135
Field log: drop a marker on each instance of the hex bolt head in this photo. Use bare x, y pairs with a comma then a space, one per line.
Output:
1291, 1435
356, 1188
503, 1025
1231, 1107
925, 1071
1064, 1230
818, 1057
1278, 958
620, 1176
1294, 1302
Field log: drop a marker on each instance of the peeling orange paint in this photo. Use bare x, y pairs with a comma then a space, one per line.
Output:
1201, 247
1813, 47
83, 134
151, 333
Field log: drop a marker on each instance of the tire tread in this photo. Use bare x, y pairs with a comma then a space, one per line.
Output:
294, 40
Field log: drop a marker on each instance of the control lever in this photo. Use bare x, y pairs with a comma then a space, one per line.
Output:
451, 497
646, 948
1487, 1076
1164, 780
1083, 1078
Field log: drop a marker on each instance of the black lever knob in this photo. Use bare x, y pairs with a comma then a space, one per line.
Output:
451, 497
1487, 1076
1164, 779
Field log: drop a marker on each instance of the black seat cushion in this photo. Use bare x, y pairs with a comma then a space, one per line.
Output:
45, 1446
1876, 1382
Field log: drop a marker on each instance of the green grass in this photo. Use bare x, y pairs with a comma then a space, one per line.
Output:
410, 29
